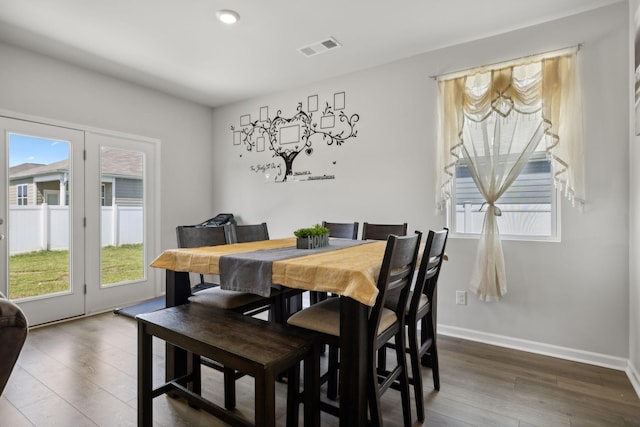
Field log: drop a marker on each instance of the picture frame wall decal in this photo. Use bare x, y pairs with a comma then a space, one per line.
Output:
312, 103
286, 138
327, 122
339, 101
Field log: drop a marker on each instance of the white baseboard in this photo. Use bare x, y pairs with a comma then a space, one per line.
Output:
634, 377
597, 359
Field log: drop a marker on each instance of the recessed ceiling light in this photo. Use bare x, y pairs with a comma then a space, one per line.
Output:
227, 16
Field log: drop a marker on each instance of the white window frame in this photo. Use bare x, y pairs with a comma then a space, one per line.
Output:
555, 229
25, 197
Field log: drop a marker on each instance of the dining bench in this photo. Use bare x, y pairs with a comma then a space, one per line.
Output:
253, 346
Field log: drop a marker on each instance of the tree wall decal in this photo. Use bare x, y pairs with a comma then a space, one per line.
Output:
287, 138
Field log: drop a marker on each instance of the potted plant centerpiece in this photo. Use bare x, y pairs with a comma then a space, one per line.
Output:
312, 237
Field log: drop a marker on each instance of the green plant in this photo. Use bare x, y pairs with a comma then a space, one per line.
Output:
316, 230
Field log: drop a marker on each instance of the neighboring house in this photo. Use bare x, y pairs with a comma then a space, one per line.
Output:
35, 184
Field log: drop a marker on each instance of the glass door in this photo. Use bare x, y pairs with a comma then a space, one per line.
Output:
42, 219
120, 220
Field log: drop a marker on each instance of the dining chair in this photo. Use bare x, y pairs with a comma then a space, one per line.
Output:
248, 232
194, 236
343, 230
421, 309
382, 231
384, 324
240, 302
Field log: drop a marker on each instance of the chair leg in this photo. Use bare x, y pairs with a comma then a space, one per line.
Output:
293, 304
431, 357
416, 374
312, 388
382, 360
404, 378
373, 391
229, 388
435, 368
293, 388
277, 311
332, 385
424, 336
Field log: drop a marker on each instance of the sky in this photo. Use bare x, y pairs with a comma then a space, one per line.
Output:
30, 149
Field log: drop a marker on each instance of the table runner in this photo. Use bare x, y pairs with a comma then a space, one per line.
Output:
251, 271
205, 260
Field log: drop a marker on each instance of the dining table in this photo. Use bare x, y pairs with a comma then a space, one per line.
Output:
347, 268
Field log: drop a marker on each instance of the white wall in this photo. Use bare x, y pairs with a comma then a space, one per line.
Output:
634, 226
37, 85
568, 298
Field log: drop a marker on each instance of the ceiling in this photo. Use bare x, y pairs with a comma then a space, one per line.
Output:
179, 47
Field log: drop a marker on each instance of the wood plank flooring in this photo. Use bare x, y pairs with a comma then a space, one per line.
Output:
83, 373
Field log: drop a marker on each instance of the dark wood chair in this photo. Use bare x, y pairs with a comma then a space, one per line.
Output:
240, 302
369, 232
382, 231
421, 309
342, 230
195, 236
384, 324
248, 232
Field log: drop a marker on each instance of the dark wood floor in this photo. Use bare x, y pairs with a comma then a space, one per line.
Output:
83, 373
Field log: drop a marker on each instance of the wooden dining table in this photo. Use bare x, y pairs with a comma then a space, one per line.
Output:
349, 270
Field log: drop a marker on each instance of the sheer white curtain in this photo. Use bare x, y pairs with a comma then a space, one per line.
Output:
493, 120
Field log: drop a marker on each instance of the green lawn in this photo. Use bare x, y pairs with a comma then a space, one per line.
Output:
43, 272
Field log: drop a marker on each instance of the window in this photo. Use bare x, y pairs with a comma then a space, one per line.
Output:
103, 197
23, 194
505, 132
529, 207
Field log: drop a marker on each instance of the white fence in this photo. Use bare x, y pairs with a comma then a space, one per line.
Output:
516, 219
46, 227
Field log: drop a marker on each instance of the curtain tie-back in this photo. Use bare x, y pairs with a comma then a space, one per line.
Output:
496, 210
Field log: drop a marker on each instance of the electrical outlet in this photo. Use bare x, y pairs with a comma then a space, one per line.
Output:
461, 297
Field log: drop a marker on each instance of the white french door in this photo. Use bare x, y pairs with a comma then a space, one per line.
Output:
42, 253
77, 219
120, 220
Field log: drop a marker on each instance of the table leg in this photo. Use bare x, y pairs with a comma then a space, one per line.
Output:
145, 375
353, 362
178, 290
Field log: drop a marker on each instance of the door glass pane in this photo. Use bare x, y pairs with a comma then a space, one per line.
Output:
122, 205
38, 229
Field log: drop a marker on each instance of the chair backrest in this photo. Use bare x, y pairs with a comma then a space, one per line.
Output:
193, 236
429, 271
396, 274
248, 233
382, 231
344, 230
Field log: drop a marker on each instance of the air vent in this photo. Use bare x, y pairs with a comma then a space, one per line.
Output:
320, 47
